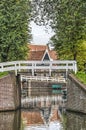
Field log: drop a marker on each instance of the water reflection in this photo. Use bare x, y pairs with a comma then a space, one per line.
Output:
75, 121
37, 118
10, 120
52, 126
44, 119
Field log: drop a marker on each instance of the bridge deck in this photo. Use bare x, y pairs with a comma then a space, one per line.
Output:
39, 65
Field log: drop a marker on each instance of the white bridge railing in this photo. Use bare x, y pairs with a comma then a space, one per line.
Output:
42, 78
39, 65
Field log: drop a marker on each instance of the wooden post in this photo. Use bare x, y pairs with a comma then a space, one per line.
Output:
2, 68
32, 69
29, 88
19, 67
15, 70
66, 71
75, 67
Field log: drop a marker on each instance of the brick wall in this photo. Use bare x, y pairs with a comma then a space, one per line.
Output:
75, 121
9, 93
76, 95
10, 120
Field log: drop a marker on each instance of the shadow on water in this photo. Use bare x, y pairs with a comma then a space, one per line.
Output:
10, 120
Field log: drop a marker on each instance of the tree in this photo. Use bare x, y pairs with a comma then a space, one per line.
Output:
70, 28
68, 20
14, 30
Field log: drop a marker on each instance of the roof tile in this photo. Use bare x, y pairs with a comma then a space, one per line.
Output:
37, 52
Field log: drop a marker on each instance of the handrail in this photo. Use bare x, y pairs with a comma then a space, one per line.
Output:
34, 65
42, 78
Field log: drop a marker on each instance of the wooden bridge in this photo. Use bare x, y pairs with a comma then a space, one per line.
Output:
39, 65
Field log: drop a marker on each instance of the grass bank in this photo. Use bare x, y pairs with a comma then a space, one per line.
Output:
2, 74
81, 76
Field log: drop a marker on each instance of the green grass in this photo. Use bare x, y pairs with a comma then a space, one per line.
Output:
81, 76
2, 74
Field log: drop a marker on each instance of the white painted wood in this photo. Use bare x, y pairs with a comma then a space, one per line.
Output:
40, 65
43, 78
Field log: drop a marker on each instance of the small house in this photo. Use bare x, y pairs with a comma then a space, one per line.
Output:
41, 53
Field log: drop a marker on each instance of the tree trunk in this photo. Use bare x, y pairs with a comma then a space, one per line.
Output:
74, 55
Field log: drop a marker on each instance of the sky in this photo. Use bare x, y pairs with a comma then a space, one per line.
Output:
40, 34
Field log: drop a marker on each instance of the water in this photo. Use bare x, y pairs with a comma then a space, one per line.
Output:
42, 114
44, 119
52, 126
18, 121
29, 120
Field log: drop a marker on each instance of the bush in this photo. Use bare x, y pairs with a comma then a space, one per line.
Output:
81, 76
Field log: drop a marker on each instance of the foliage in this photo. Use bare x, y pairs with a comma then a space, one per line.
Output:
81, 76
70, 28
68, 21
81, 55
14, 30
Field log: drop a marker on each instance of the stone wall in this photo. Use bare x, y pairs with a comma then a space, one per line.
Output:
9, 93
76, 95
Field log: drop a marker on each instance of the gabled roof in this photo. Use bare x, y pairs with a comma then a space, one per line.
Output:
36, 55
37, 52
37, 47
53, 54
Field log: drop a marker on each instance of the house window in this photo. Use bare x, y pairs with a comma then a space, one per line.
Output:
46, 57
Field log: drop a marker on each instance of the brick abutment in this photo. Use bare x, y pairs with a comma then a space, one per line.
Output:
9, 93
76, 95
